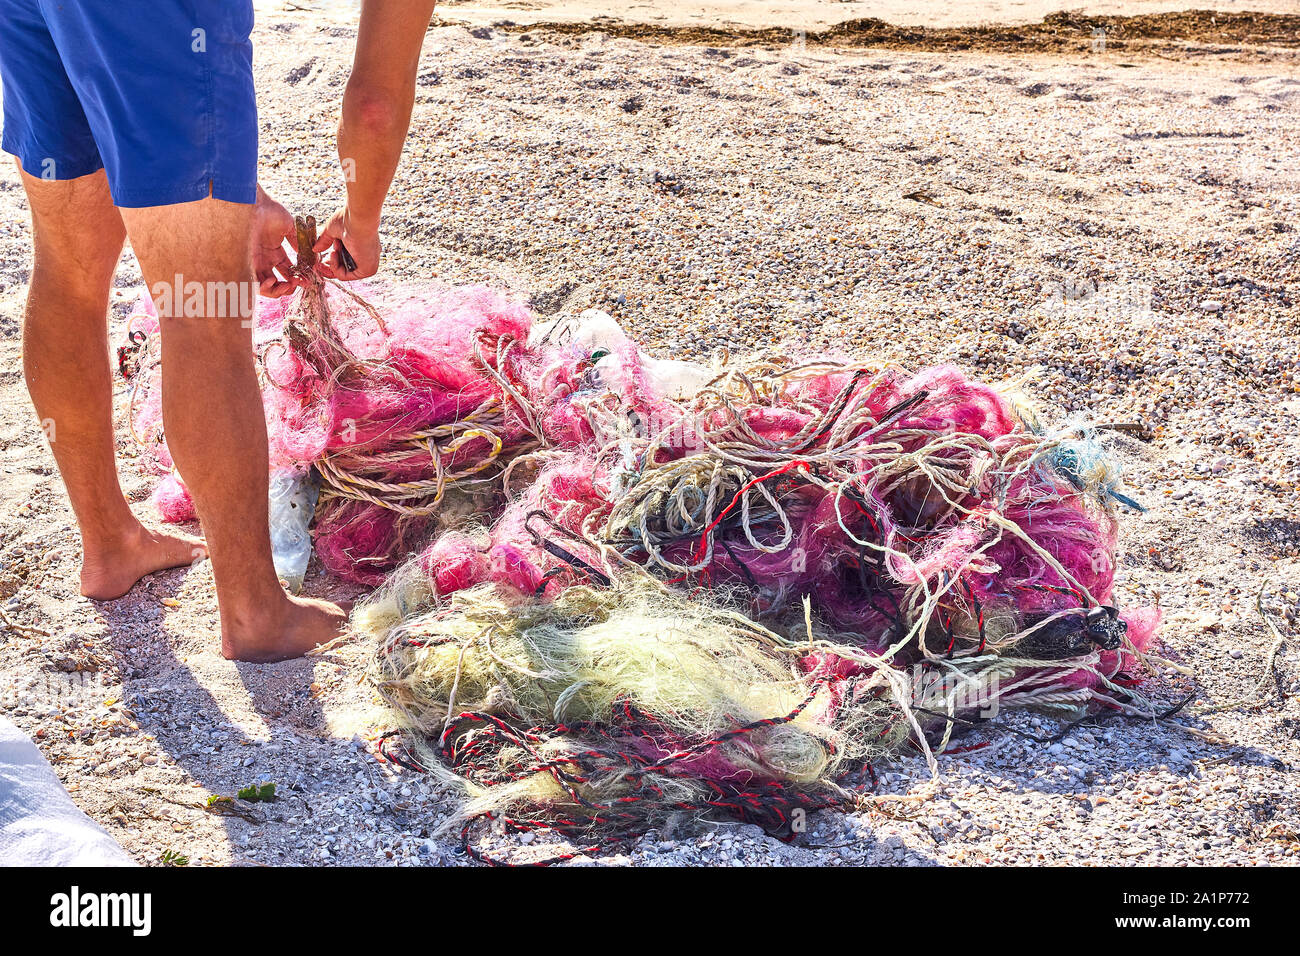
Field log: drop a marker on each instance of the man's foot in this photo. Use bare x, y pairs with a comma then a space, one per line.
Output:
109, 570
286, 629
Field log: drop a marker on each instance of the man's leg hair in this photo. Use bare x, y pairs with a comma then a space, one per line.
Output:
215, 425
77, 238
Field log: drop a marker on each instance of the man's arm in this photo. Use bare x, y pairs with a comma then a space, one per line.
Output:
376, 115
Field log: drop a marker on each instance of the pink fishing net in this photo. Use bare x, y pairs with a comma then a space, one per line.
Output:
926, 519
853, 484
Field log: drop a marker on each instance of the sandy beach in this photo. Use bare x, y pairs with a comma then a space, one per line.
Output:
791, 14
1118, 222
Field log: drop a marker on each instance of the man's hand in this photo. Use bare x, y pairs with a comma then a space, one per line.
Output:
272, 225
360, 241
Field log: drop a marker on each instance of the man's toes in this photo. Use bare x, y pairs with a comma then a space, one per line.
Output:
107, 577
172, 551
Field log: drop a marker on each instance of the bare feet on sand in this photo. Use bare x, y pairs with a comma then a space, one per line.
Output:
280, 630
110, 569
274, 628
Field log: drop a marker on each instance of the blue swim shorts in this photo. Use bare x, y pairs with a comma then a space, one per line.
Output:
158, 93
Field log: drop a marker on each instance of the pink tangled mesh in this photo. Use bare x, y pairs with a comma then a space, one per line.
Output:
896, 504
855, 549
353, 404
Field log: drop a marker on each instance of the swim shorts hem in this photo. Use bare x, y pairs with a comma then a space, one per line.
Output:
33, 158
243, 193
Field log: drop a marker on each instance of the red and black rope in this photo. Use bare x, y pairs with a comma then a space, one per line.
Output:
473, 744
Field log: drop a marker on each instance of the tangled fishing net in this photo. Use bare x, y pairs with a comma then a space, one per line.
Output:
400, 418
620, 593
625, 707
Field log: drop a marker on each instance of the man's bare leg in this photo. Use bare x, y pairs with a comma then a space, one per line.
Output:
78, 238
216, 430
